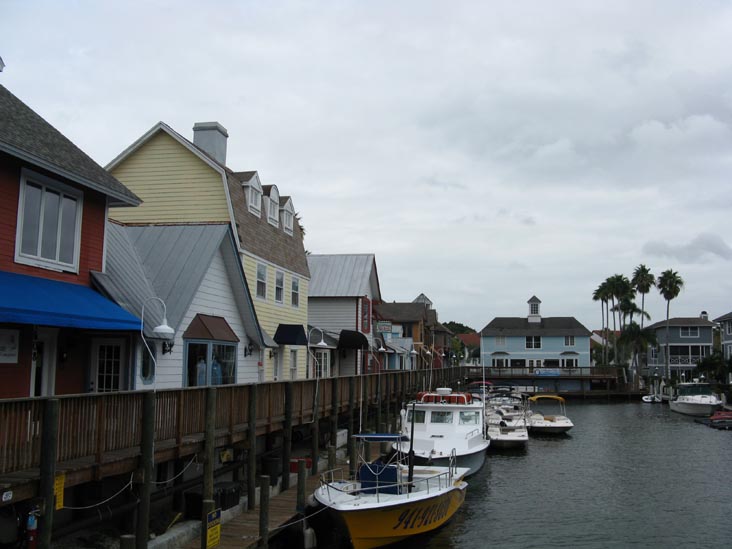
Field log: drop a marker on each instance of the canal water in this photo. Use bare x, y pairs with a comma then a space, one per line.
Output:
627, 475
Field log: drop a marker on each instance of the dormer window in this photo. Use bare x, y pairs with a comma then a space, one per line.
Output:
273, 207
288, 215
254, 195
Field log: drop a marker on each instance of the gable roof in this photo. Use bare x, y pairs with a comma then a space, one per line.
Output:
682, 321
254, 233
342, 275
470, 340
723, 318
26, 135
548, 326
402, 312
169, 262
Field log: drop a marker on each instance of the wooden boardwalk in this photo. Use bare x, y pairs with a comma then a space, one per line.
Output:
243, 530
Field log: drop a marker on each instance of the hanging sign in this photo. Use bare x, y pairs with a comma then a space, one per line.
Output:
9, 346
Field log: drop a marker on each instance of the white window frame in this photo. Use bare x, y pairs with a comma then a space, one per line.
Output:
273, 209
261, 281
691, 331
533, 308
500, 341
29, 176
321, 368
569, 341
287, 221
729, 327
293, 364
279, 287
295, 292
254, 200
533, 342
499, 363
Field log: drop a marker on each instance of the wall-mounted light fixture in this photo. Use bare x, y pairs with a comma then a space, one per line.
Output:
248, 349
163, 331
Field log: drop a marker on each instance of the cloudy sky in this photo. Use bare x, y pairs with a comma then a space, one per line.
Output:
484, 151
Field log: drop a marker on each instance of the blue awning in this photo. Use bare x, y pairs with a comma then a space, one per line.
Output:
31, 300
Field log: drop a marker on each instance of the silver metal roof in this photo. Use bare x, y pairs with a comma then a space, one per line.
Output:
343, 275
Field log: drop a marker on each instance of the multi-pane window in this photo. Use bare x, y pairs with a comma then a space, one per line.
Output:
287, 221
500, 341
272, 212
729, 328
570, 362
533, 342
499, 362
295, 293
279, 286
293, 363
255, 200
322, 363
261, 281
569, 341
690, 331
49, 223
534, 308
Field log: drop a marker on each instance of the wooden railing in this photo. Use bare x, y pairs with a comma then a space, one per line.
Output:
92, 426
592, 372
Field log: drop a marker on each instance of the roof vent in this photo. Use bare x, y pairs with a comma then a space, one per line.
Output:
704, 315
211, 137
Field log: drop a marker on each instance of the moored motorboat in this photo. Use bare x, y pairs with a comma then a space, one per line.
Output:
445, 423
548, 424
721, 419
695, 398
506, 424
651, 399
391, 501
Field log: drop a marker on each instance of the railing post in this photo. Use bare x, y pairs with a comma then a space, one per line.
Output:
351, 419
287, 437
315, 436
334, 409
49, 443
252, 452
147, 458
208, 466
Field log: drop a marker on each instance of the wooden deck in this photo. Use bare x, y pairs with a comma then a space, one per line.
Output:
243, 530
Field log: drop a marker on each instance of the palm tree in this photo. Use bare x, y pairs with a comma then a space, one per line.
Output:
643, 280
669, 285
619, 287
638, 340
602, 294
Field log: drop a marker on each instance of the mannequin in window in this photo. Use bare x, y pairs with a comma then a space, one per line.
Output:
215, 372
201, 371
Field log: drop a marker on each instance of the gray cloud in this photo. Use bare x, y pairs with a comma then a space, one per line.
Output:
698, 249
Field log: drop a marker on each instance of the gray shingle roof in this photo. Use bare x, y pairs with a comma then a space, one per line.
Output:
681, 321
402, 312
549, 326
722, 318
340, 275
24, 134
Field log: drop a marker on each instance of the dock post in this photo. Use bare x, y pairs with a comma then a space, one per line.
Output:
351, 419
315, 436
287, 437
127, 541
301, 480
207, 505
263, 511
252, 451
334, 409
49, 442
379, 403
147, 458
388, 402
331, 457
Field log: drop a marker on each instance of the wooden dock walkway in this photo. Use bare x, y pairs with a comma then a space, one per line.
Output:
243, 530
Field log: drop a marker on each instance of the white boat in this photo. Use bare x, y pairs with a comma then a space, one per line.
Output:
651, 398
445, 423
695, 399
506, 424
548, 424
389, 502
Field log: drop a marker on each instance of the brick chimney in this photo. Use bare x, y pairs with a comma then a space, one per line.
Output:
211, 137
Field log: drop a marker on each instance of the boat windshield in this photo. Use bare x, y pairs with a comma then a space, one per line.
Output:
690, 390
469, 418
441, 417
418, 416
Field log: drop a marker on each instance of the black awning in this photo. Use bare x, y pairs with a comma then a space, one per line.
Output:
350, 339
291, 334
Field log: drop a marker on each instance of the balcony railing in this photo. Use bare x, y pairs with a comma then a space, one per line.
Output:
588, 372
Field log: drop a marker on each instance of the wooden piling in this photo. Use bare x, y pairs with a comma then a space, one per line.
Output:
147, 458
301, 481
49, 443
127, 541
208, 465
207, 505
315, 435
331, 457
351, 419
334, 409
263, 511
287, 437
252, 451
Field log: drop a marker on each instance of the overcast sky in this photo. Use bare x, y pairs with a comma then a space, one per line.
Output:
484, 151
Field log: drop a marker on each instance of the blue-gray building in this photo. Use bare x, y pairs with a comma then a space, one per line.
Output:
534, 342
725, 325
690, 340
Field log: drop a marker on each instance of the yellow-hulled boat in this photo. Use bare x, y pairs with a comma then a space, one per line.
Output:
389, 502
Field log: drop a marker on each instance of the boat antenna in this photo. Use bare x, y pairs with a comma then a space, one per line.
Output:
410, 456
